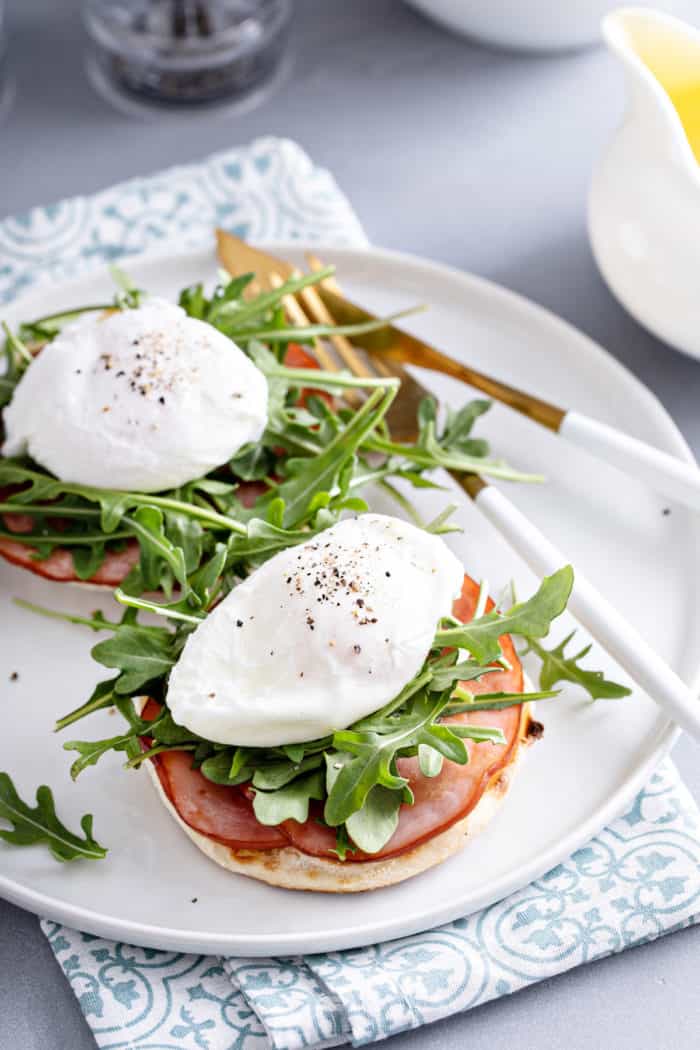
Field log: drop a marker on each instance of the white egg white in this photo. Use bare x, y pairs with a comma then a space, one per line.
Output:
318, 637
144, 399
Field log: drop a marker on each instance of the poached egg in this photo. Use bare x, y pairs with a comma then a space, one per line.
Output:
321, 635
144, 400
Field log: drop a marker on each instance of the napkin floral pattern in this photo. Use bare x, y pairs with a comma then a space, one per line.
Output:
267, 191
638, 879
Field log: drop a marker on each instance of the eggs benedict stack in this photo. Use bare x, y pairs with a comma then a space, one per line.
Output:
321, 638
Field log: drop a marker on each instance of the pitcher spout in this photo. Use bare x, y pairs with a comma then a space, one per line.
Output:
661, 56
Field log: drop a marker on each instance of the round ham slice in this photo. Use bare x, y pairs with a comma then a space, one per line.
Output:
59, 564
117, 564
226, 814
221, 813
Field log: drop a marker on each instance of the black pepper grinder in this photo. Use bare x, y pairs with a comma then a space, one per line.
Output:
184, 53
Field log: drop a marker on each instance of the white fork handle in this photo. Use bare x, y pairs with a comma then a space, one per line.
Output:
598, 616
665, 473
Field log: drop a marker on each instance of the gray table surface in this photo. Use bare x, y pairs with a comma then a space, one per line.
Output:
469, 156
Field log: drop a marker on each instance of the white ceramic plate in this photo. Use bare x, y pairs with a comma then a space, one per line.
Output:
592, 760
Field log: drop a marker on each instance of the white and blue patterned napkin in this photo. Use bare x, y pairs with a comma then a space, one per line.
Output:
639, 879
267, 191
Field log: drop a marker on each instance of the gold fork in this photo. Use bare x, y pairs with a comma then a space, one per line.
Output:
393, 346
591, 608
335, 353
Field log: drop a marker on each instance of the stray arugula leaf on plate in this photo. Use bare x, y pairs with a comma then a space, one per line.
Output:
558, 667
39, 824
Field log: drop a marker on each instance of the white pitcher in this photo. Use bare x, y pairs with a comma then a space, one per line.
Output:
644, 209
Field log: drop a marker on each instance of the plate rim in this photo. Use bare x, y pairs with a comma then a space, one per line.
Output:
212, 942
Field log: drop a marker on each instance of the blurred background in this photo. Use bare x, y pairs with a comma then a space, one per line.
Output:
447, 147
458, 151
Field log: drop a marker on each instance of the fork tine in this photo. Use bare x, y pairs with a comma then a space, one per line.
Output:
298, 316
345, 350
374, 364
316, 264
404, 411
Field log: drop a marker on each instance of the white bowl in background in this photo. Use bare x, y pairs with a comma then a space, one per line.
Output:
536, 25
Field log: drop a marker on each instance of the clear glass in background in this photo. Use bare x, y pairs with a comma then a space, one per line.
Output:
6, 84
185, 54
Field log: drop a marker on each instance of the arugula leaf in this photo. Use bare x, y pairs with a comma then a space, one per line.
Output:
233, 316
222, 769
180, 610
308, 477
17, 358
91, 751
531, 619
156, 549
128, 296
444, 676
187, 534
196, 304
371, 827
343, 845
453, 449
193, 301
166, 730
290, 802
262, 540
31, 825
96, 622
114, 503
430, 761
201, 587
558, 667
102, 696
462, 700
459, 425
294, 752
44, 329
373, 760
254, 462
16, 351
277, 774
87, 560
142, 654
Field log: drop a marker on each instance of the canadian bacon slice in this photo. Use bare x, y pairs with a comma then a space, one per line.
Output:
59, 564
222, 813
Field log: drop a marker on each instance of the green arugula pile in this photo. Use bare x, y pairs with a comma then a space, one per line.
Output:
315, 459
354, 772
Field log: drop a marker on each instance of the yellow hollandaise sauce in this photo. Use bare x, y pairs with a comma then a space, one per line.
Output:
674, 59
